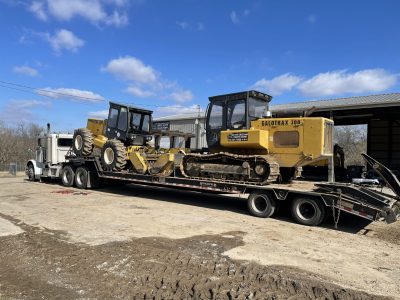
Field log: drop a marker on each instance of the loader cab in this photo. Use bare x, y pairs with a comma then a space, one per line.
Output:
129, 124
233, 112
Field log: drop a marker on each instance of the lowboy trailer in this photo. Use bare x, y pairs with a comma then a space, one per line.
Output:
309, 201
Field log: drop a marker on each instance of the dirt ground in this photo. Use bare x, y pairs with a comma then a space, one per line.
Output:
141, 242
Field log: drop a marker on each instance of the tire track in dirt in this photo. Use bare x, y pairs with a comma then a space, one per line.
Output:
41, 263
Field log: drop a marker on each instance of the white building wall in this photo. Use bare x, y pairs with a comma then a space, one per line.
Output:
189, 126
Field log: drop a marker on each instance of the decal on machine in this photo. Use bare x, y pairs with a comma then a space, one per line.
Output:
238, 137
293, 122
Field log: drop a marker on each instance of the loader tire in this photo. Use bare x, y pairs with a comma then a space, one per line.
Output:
82, 142
113, 155
308, 211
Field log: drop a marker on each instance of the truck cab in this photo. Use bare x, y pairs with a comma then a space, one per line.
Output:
49, 156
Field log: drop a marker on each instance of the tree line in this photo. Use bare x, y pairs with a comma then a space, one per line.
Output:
18, 143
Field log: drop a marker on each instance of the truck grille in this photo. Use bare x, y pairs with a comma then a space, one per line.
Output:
328, 138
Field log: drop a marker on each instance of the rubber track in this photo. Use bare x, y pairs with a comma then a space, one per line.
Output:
274, 166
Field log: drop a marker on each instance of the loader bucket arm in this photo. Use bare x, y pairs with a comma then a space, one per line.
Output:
387, 175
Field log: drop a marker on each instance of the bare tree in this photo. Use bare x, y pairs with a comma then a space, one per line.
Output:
353, 140
17, 143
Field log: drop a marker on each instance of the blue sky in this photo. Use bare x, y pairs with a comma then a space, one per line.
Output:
69, 57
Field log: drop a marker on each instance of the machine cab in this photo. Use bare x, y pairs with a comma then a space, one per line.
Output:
129, 124
233, 112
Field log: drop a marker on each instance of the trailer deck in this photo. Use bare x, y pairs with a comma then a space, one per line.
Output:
359, 201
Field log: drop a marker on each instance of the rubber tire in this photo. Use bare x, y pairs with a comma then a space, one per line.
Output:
67, 176
31, 172
81, 177
269, 202
315, 219
87, 142
119, 150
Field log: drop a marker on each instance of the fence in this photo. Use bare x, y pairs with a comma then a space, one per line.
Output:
12, 168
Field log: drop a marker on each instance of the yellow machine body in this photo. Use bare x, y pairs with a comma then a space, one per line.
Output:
294, 142
97, 127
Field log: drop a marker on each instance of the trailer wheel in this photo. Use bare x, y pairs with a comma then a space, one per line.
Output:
67, 176
113, 155
82, 142
31, 172
308, 211
261, 205
81, 178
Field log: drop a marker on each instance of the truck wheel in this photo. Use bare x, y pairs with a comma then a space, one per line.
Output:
113, 155
67, 176
82, 142
81, 178
308, 211
261, 205
31, 172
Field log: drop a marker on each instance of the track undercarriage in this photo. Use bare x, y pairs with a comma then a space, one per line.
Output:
257, 169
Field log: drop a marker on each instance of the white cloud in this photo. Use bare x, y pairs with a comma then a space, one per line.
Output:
117, 19
38, 8
145, 81
25, 70
64, 39
182, 24
177, 110
312, 19
130, 68
234, 17
342, 82
95, 11
138, 92
278, 85
100, 114
181, 96
67, 93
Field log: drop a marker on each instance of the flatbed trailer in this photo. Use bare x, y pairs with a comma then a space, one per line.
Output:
309, 201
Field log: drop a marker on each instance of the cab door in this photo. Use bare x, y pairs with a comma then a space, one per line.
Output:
117, 124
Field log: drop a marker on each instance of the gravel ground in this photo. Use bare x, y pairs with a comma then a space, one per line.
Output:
140, 242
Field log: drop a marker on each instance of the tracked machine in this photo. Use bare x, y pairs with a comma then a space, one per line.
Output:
247, 145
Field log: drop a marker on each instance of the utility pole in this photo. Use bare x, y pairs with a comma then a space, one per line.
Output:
197, 123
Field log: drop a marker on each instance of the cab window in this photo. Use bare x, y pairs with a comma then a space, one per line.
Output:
113, 117
215, 121
123, 118
236, 113
286, 139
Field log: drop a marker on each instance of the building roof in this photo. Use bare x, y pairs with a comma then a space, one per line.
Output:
186, 116
371, 101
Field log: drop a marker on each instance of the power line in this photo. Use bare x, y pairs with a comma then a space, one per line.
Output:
45, 93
